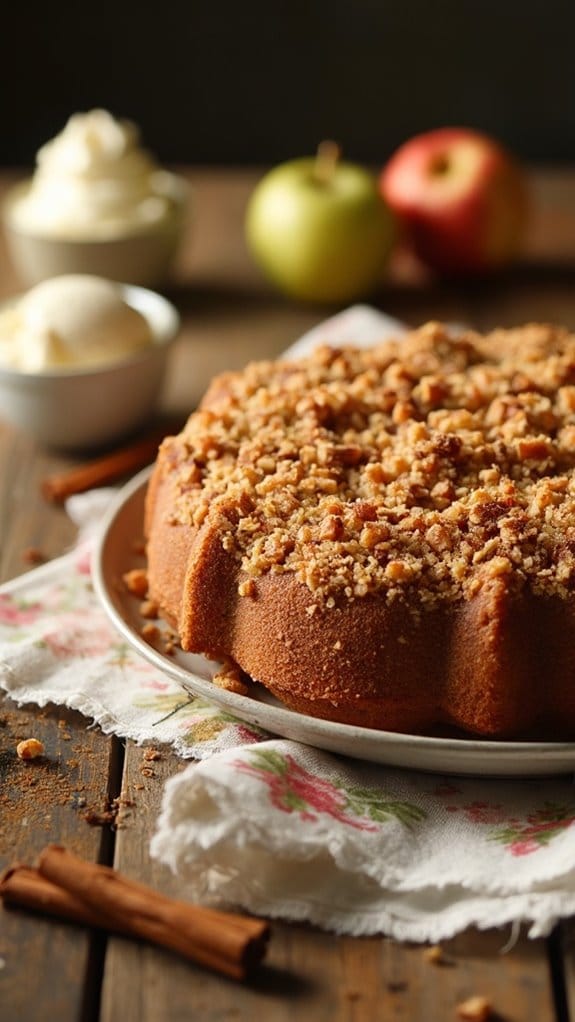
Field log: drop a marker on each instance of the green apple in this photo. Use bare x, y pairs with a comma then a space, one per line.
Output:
320, 229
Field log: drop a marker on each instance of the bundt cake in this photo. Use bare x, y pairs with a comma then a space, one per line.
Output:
384, 537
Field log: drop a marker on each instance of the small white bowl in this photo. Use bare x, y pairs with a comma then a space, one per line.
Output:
142, 256
77, 409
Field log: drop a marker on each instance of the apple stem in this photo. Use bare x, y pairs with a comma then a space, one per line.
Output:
327, 156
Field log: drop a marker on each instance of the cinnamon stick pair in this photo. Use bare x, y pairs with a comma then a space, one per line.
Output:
107, 469
65, 886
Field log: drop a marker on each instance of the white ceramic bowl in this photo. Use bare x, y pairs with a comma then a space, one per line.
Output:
81, 408
142, 256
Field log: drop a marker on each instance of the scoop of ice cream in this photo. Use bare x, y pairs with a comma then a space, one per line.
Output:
71, 322
93, 180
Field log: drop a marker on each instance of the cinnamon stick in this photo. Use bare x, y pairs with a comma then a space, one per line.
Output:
23, 887
70, 888
107, 469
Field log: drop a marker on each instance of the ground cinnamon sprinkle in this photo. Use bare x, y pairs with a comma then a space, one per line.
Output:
30, 792
113, 814
425, 464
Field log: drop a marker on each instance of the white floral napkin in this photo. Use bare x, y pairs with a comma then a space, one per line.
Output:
276, 827
286, 831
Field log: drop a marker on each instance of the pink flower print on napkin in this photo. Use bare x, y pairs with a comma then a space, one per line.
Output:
294, 789
538, 830
14, 611
84, 559
484, 812
75, 637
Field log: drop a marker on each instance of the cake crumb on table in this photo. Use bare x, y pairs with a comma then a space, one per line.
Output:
434, 954
152, 754
475, 1009
30, 748
33, 555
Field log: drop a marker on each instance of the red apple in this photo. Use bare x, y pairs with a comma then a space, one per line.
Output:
461, 198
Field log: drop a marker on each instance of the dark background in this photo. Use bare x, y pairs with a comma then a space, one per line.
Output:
218, 81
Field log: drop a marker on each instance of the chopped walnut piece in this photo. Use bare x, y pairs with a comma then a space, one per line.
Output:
151, 633
136, 582
230, 677
475, 1009
399, 571
331, 528
247, 587
149, 609
30, 748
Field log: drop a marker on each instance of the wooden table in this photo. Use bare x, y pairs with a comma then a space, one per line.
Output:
51, 971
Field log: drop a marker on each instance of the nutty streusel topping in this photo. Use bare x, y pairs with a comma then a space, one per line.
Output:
426, 463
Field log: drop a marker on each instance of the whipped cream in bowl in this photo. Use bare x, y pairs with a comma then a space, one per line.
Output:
83, 359
97, 203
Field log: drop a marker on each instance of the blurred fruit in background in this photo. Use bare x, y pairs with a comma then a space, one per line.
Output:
460, 198
320, 229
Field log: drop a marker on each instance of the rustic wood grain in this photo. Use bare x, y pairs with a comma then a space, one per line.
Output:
49, 969
563, 944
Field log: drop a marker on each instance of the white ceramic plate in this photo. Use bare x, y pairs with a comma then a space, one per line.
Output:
115, 555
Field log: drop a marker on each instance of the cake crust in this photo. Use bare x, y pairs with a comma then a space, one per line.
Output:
384, 538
